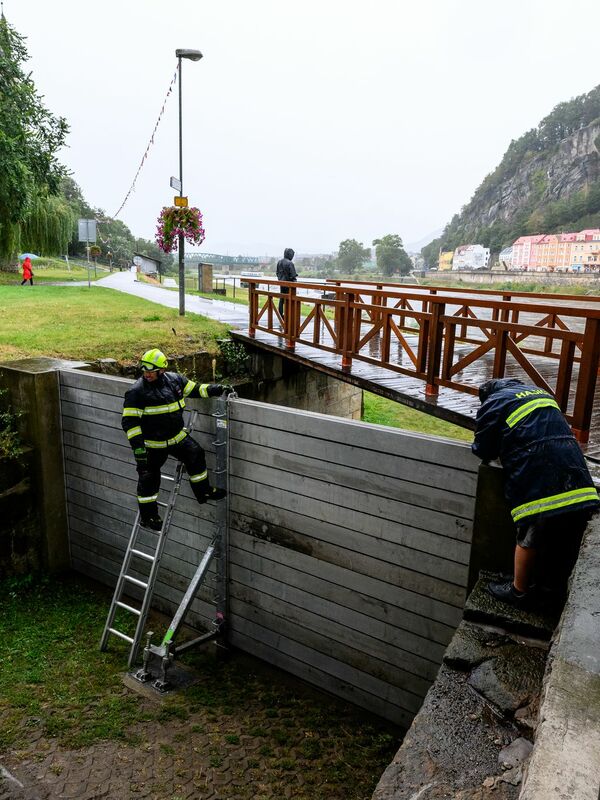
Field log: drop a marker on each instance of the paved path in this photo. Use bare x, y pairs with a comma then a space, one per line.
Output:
234, 314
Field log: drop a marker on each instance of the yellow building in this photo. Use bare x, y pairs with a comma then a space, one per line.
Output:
446, 260
585, 254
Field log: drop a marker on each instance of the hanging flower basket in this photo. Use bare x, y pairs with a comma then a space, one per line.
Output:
174, 221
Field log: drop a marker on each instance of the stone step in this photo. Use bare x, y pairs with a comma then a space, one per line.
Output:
539, 622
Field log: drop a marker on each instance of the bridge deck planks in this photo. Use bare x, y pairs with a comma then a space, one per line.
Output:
450, 404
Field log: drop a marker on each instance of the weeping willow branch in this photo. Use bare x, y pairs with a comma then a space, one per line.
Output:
48, 227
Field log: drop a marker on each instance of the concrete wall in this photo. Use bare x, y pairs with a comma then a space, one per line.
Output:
565, 763
33, 388
551, 278
349, 543
282, 382
20, 529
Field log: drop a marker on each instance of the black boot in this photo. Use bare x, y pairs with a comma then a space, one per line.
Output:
212, 493
154, 523
506, 593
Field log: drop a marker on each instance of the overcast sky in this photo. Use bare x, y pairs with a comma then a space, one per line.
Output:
308, 122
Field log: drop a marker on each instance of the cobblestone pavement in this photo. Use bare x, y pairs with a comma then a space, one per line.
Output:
201, 753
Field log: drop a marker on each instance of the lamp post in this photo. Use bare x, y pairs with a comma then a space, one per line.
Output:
192, 55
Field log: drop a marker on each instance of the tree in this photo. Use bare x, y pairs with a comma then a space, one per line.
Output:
352, 255
391, 255
30, 137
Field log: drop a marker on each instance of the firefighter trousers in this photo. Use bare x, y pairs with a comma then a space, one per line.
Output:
187, 451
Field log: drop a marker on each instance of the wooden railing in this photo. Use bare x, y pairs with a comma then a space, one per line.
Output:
444, 340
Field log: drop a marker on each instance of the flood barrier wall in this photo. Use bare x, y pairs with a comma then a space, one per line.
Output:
349, 543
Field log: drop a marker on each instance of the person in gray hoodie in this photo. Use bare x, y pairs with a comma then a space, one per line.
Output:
286, 271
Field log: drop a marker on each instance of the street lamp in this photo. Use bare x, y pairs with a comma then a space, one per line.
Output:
192, 55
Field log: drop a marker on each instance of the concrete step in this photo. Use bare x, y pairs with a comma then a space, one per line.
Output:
538, 623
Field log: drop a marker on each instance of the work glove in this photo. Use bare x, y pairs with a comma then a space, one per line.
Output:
141, 456
225, 388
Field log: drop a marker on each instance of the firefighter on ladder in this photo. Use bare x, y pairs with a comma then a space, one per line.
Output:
153, 422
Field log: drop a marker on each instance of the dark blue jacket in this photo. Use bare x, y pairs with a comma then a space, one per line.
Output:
286, 271
544, 469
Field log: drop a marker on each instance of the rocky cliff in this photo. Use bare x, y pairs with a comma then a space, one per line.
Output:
547, 181
572, 166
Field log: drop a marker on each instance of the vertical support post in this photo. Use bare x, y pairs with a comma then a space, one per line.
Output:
377, 300
347, 329
386, 334
586, 382
500, 353
252, 309
290, 319
436, 336
448, 358
222, 517
549, 341
565, 372
337, 320
401, 318
463, 327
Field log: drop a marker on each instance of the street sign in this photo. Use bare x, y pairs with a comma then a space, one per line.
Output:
176, 184
87, 230
182, 202
137, 260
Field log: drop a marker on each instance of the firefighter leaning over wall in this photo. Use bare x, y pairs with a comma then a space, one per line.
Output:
547, 484
153, 421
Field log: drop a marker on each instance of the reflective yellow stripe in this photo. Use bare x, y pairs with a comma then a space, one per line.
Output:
525, 409
166, 442
188, 388
167, 409
202, 476
137, 431
204, 389
133, 412
150, 499
555, 501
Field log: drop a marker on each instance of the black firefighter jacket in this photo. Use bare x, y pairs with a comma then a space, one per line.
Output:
153, 412
544, 469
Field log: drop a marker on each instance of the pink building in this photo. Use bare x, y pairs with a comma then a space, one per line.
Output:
557, 251
525, 252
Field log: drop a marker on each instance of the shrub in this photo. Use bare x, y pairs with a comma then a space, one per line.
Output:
10, 442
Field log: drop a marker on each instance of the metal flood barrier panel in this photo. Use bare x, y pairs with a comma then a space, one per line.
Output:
349, 549
348, 542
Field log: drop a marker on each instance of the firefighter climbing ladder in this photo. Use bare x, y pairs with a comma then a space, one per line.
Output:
216, 549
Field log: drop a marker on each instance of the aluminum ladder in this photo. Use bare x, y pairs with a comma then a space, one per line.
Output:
133, 552
169, 649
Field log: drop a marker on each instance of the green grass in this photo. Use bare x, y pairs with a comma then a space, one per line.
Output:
381, 411
53, 677
47, 270
536, 287
84, 323
56, 685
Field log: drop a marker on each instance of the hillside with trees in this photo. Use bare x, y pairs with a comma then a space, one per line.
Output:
548, 181
40, 202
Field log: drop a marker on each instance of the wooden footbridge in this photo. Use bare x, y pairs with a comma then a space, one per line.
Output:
430, 347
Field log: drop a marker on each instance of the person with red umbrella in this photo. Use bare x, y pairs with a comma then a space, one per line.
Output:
27, 271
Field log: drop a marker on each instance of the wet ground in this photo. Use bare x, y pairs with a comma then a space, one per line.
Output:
71, 728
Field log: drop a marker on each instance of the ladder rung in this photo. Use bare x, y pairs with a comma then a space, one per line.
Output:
120, 635
139, 553
129, 608
160, 503
135, 580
